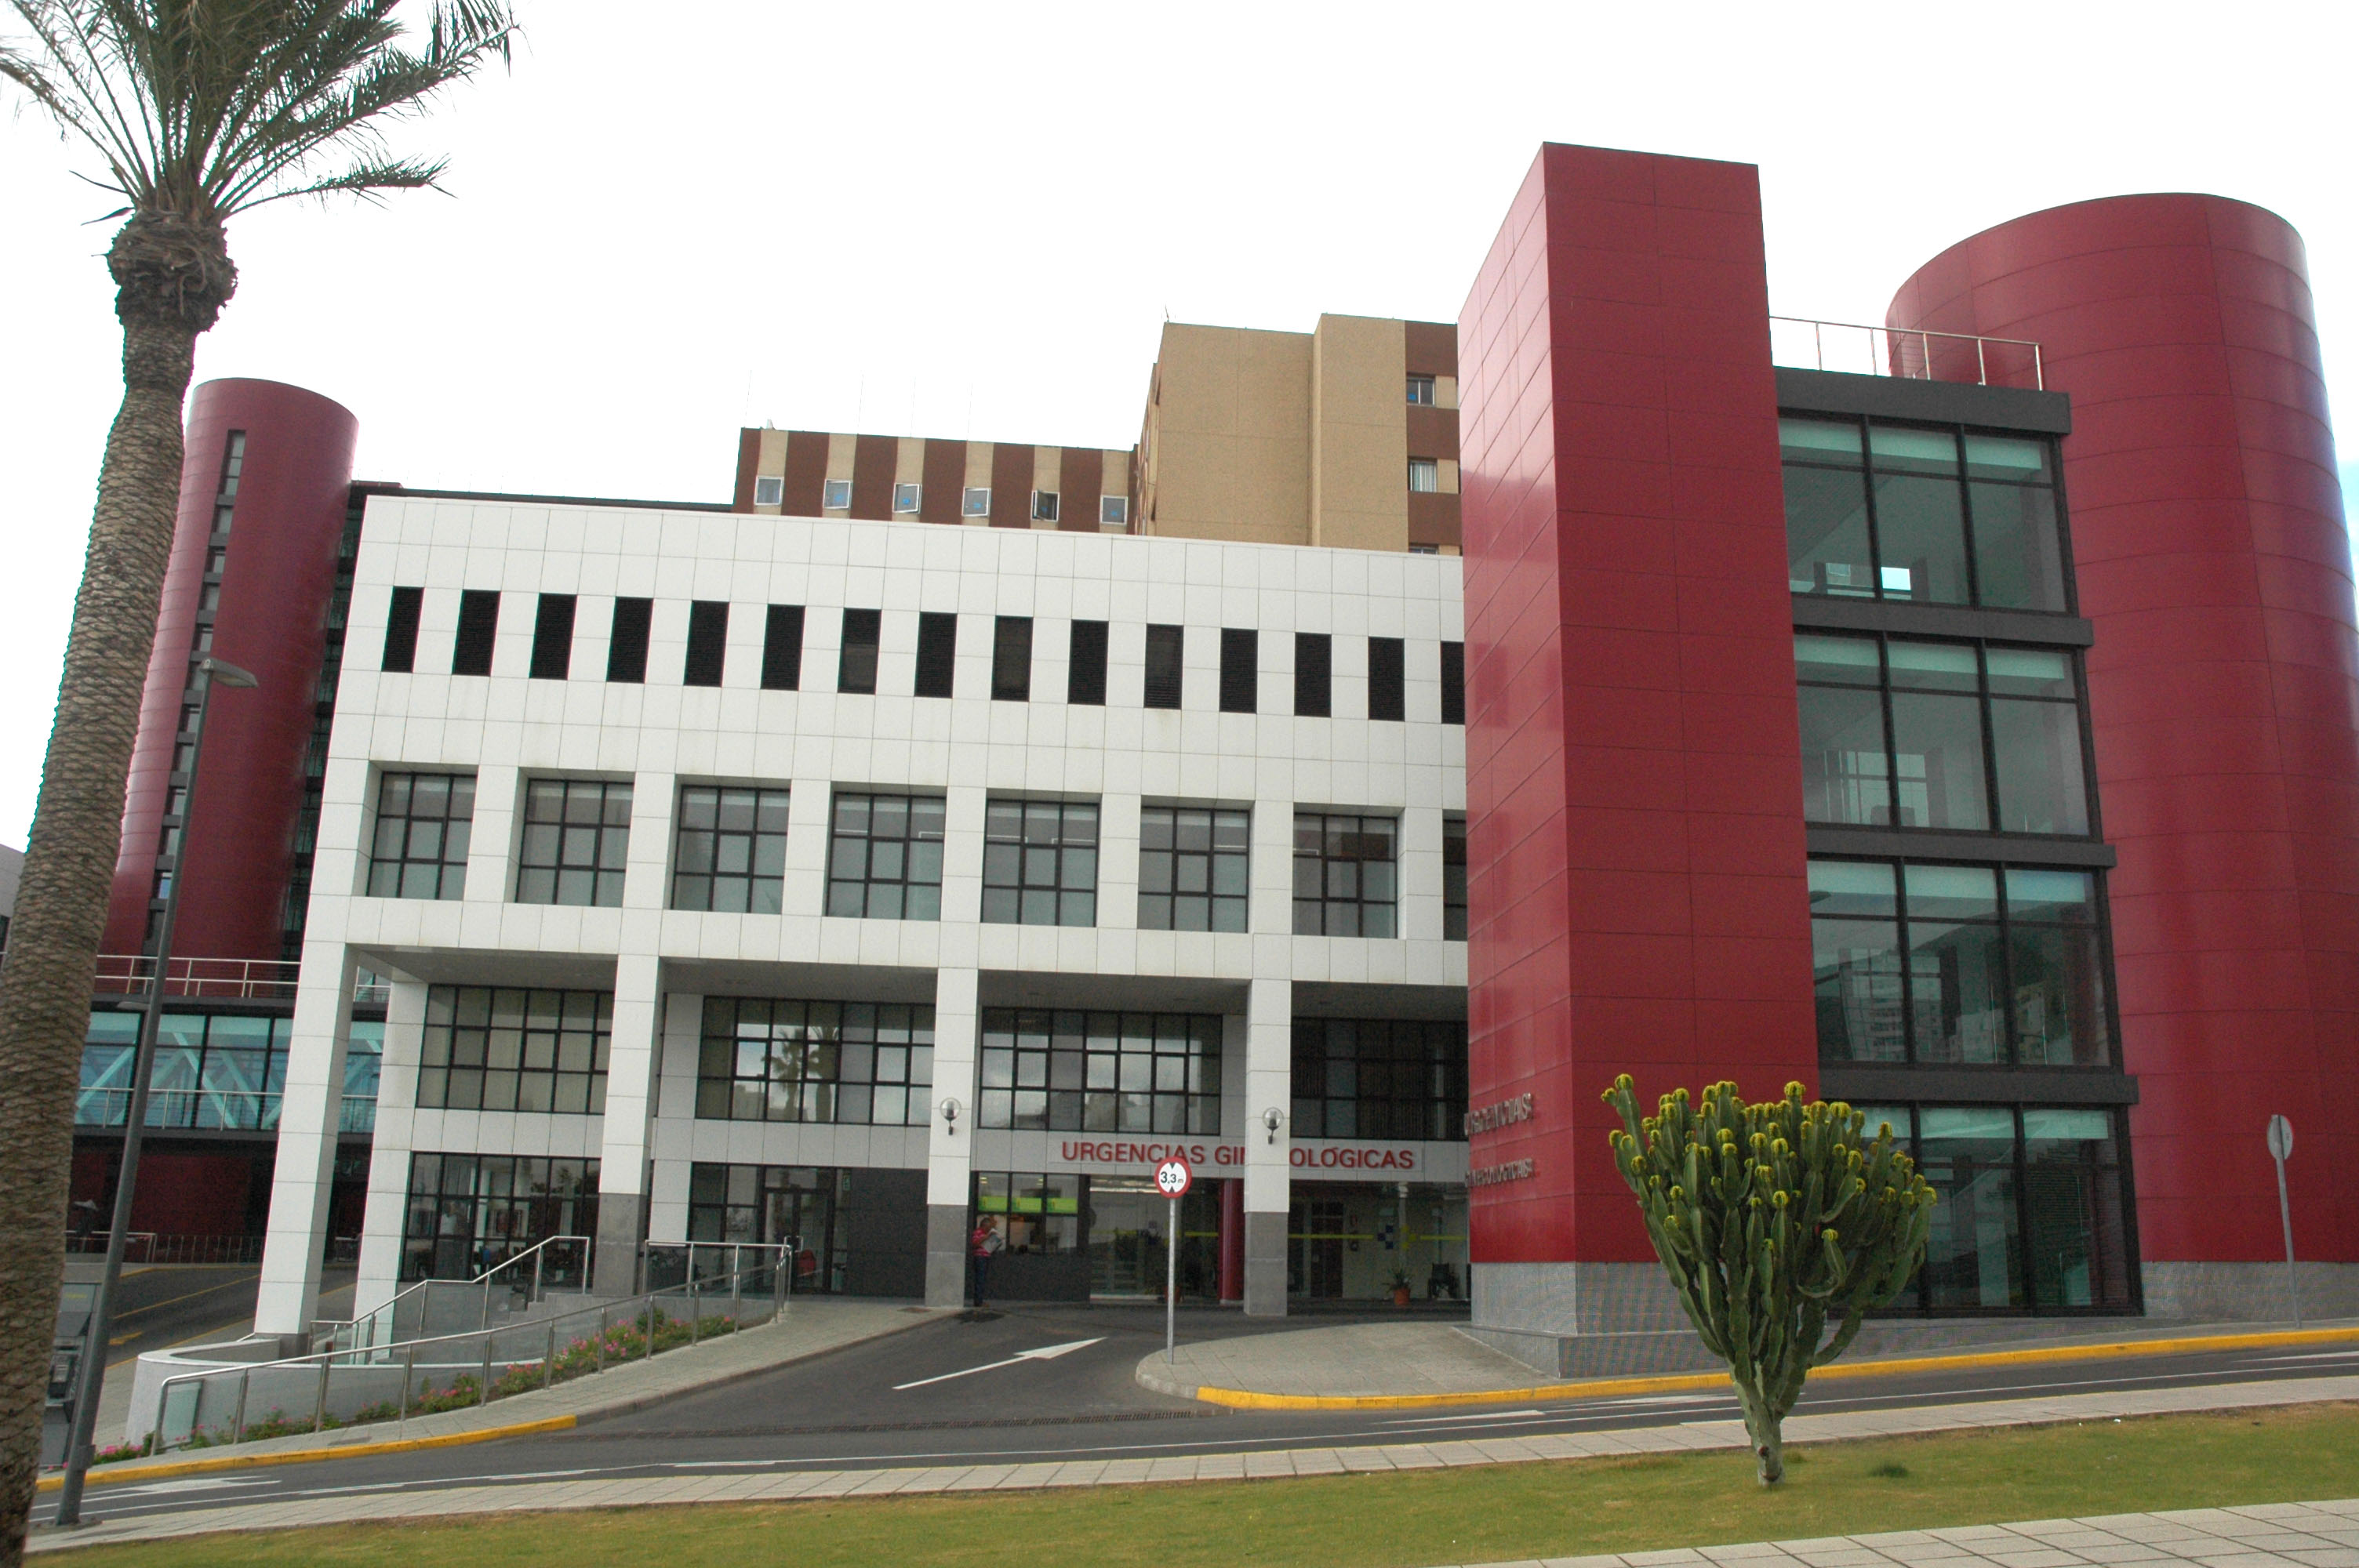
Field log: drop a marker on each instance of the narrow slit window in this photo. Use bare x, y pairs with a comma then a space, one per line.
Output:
479, 625
937, 653
708, 642
1453, 683
553, 637
1085, 669
1240, 670
401, 631
1384, 680
626, 646
782, 648
1011, 659
855, 665
1314, 681
1165, 647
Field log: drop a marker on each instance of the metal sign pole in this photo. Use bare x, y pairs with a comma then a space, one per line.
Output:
2280, 1146
1171, 1282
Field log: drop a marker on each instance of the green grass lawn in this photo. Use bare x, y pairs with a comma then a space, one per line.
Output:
1399, 1520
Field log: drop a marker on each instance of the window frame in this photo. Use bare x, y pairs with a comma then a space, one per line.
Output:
558, 869
1440, 1118
1427, 470
829, 490
1213, 857
1424, 384
1114, 511
975, 501
450, 1010
1325, 902
1066, 893
1019, 1055
777, 798
1045, 506
404, 861
769, 489
909, 839
1454, 929
915, 497
819, 1031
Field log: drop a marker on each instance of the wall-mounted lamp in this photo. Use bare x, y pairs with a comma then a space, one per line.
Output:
950, 1110
1272, 1119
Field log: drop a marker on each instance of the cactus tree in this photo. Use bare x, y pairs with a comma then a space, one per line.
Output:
1775, 1220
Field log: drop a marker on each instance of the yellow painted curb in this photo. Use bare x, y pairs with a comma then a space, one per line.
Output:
1683, 1382
129, 1470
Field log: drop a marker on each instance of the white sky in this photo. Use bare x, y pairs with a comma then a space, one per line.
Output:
970, 221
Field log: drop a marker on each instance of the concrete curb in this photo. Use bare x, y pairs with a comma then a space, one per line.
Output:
1150, 1374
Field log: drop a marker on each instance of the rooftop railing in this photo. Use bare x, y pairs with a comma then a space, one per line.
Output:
1910, 353
221, 979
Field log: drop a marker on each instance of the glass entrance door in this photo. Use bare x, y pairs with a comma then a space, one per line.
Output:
808, 1213
1128, 1218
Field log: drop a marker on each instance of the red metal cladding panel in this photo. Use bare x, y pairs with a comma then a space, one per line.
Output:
2208, 535
278, 578
1635, 855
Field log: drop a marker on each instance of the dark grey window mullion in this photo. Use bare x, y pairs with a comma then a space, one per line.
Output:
1995, 810
1966, 521
1908, 954
2089, 792
1875, 535
2064, 545
2006, 967
2031, 1303
1891, 734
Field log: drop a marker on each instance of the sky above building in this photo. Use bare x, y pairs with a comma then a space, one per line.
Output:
945, 219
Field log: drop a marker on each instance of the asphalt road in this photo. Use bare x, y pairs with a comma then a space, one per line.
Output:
961, 1391
180, 1303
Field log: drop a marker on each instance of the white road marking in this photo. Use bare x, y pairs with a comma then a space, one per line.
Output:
1046, 1352
1444, 1420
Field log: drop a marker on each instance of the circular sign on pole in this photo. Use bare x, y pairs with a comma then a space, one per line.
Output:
1173, 1178
2280, 1138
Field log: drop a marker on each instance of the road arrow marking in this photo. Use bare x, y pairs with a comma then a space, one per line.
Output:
1046, 1352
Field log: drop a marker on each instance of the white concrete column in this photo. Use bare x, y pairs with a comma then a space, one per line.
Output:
950, 1158
675, 1118
382, 1223
491, 842
310, 1108
1420, 875
1269, 1060
633, 1050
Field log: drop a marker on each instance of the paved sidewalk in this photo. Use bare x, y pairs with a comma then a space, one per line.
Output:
1429, 1360
373, 1506
810, 1327
2321, 1535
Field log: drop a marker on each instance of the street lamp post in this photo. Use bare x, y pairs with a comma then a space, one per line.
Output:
79, 1451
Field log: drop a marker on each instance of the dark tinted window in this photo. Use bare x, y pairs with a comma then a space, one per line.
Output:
937, 653
1164, 645
782, 648
1314, 660
626, 646
1385, 681
553, 637
708, 642
401, 630
1086, 669
855, 665
479, 625
1011, 659
1453, 683
1240, 676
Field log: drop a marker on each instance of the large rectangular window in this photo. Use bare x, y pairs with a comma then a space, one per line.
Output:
1365, 1077
2032, 1213
1166, 648
1037, 1213
1453, 877
708, 642
782, 648
222, 1072
884, 857
1970, 965
553, 637
1011, 658
856, 664
577, 841
853, 1062
1193, 868
507, 1048
479, 626
1901, 733
1929, 515
1314, 684
937, 653
1387, 692
1085, 670
1240, 670
1346, 883
730, 853
401, 631
1064, 1070
467, 1213
1040, 862
627, 644
419, 849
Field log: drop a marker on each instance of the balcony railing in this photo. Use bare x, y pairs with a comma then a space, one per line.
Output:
1910, 353
222, 980
223, 1110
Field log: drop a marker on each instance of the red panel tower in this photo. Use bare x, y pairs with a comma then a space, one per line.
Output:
277, 576
1636, 859
2209, 542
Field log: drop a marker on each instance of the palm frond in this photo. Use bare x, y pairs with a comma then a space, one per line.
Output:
205, 108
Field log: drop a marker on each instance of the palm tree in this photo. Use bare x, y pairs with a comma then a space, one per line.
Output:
199, 110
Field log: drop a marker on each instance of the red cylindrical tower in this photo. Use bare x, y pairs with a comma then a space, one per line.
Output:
267, 608
2209, 545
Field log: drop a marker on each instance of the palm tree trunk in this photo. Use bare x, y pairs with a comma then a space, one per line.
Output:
45, 987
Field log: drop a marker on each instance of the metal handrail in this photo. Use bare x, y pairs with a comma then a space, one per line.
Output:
245, 979
1891, 360
781, 1268
538, 1252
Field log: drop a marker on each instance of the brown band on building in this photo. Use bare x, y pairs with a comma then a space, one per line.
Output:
1432, 432
749, 462
805, 483
1011, 485
1433, 518
1079, 470
874, 461
1430, 347
943, 477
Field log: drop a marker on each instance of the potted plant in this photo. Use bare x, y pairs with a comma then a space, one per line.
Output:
1400, 1287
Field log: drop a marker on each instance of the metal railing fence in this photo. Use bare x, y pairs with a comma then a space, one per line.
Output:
416, 1310
1908, 352
224, 980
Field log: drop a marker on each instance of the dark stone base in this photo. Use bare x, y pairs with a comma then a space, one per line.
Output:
1265, 1265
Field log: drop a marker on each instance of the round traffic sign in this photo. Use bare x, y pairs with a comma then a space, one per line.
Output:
1173, 1178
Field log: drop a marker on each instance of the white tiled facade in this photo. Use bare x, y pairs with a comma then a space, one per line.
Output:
658, 962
